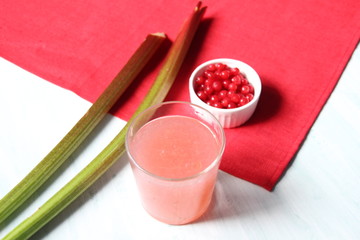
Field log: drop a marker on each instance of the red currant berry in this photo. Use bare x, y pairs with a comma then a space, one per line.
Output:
215, 98
209, 81
202, 95
244, 81
217, 104
225, 102
225, 84
211, 67
222, 94
236, 79
235, 98
243, 101
231, 105
245, 89
208, 90
220, 66
251, 90
199, 87
249, 96
199, 80
217, 86
217, 74
232, 87
230, 94
225, 74
209, 75
234, 71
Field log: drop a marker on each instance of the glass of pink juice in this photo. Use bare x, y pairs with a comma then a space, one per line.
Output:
175, 150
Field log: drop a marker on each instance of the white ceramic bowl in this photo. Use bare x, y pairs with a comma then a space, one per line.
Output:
229, 118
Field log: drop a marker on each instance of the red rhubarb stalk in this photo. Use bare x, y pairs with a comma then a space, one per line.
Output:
61, 152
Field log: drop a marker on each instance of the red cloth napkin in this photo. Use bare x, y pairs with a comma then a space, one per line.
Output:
299, 48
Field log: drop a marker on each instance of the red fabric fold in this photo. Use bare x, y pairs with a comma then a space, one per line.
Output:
299, 49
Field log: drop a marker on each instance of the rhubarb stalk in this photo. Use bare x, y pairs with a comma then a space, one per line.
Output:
116, 148
55, 158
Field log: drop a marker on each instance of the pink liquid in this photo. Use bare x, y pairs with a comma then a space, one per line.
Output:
175, 147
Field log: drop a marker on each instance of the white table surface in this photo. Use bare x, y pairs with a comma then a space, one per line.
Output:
318, 198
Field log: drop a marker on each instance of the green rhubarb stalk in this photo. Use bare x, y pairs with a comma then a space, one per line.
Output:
55, 158
116, 148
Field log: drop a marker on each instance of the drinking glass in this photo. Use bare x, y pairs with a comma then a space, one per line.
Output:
175, 149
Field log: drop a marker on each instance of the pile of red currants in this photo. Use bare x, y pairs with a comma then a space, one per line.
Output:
224, 87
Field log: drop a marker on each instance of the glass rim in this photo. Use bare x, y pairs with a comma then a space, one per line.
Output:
202, 172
